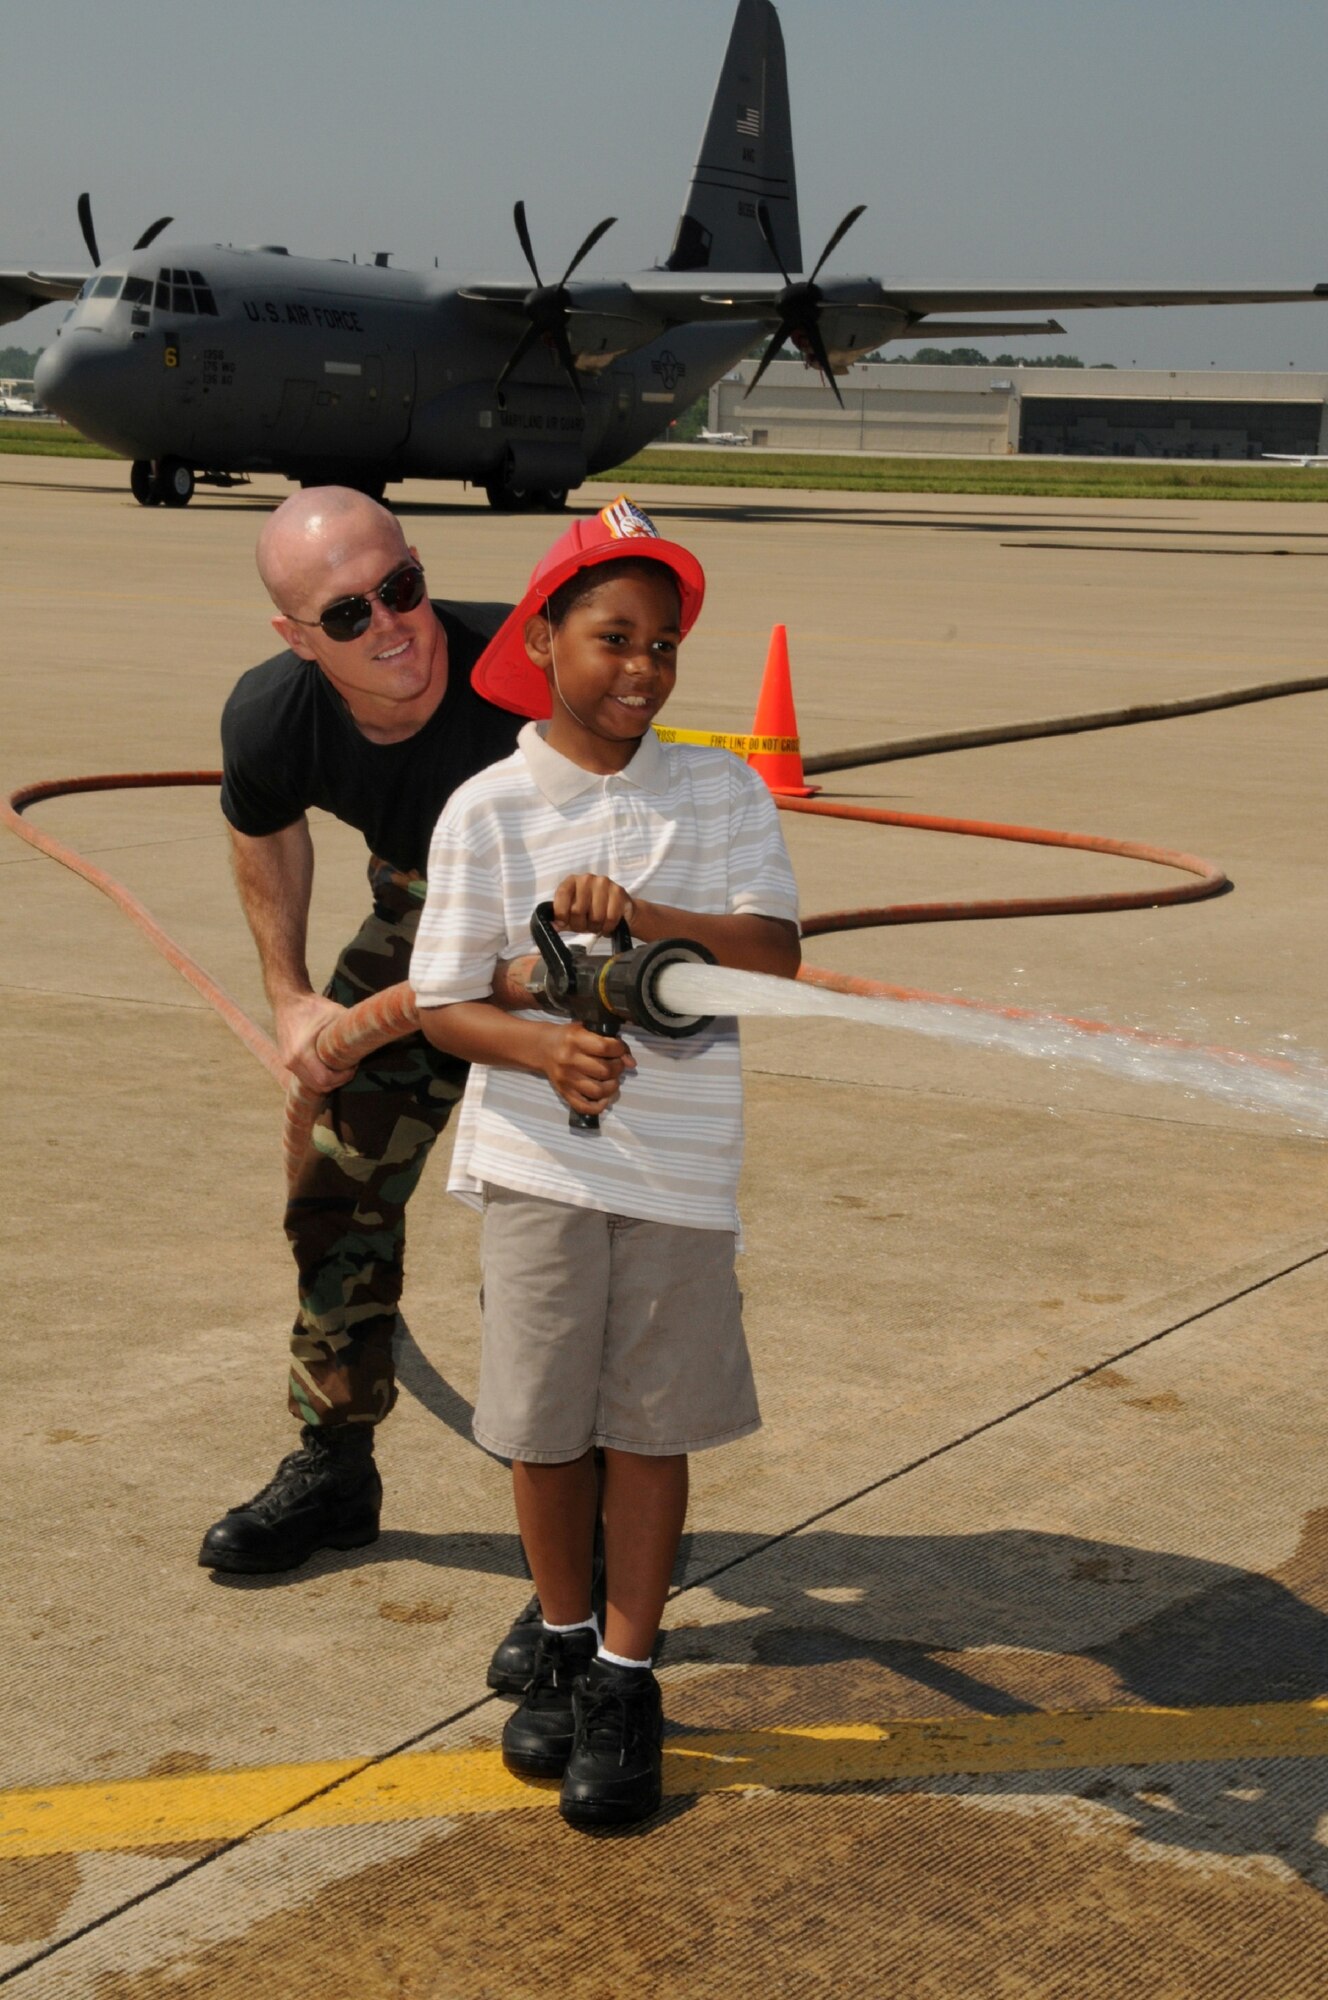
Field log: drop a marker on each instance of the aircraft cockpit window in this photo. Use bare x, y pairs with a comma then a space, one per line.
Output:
184, 292
87, 287
137, 292
107, 288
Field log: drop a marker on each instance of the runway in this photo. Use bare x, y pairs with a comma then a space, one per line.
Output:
1000, 1658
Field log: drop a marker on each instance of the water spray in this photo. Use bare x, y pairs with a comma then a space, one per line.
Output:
1296, 1089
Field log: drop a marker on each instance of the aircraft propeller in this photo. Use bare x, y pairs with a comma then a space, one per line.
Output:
150, 234
548, 307
799, 305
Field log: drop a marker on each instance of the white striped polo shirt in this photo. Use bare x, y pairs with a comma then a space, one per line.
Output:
681, 824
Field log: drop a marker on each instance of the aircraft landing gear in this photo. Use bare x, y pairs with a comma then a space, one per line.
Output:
165, 482
505, 499
173, 483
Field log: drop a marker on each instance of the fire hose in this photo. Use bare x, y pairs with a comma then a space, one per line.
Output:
391, 1015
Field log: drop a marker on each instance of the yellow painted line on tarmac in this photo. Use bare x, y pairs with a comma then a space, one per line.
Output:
444, 1784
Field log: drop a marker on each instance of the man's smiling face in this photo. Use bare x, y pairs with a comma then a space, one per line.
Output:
392, 671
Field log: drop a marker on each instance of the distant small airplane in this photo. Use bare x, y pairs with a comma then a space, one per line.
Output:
1296, 457
722, 437
17, 406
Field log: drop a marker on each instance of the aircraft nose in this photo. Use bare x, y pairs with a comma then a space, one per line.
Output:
57, 372
89, 381
50, 372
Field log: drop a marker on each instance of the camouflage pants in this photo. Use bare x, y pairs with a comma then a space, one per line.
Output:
346, 1216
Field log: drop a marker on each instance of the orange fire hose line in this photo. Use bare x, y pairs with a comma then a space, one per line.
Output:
12, 812
387, 1016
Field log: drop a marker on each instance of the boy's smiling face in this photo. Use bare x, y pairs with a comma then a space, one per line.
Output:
610, 665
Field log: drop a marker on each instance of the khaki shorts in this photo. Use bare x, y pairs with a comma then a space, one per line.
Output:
607, 1330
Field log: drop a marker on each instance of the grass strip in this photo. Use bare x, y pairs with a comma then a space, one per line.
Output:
47, 440
1042, 478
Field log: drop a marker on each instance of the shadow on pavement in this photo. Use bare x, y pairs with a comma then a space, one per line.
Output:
826, 1627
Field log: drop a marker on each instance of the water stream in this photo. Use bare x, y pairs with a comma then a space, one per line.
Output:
1292, 1088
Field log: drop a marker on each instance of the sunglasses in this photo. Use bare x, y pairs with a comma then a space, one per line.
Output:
351, 617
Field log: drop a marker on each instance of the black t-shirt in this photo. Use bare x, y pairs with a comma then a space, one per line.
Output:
288, 742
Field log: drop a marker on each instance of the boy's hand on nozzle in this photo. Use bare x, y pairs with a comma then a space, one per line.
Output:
592, 903
584, 1068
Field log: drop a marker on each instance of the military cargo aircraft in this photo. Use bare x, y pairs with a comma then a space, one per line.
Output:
203, 361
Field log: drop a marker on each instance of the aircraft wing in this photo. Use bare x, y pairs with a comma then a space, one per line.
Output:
702, 295
854, 314
23, 291
922, 299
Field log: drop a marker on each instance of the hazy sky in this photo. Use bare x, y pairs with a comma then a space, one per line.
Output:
1124, 141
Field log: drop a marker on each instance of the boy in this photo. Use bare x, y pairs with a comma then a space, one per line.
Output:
611, 1311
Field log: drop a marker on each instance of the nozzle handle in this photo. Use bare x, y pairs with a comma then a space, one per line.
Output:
557, 954
562, 984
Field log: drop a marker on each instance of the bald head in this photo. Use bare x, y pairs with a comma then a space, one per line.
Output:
315, 533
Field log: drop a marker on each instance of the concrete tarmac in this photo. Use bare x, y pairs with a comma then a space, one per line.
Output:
999, 1663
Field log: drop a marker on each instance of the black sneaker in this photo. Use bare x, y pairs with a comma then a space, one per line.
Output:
326, 1495
537, 1736
513, 1660
613, 1775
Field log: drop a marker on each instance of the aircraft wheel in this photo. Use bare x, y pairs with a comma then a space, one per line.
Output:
141, 483
554, 499
501, 497
174, 482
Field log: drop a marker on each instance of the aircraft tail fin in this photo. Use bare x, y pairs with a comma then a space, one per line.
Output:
746, 156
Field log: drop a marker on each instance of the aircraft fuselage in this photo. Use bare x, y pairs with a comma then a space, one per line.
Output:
256, 360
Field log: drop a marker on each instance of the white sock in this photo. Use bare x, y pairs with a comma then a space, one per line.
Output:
581, 1625
617, 1659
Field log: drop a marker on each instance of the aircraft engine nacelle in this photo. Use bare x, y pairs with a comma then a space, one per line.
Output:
599, 339
850, 331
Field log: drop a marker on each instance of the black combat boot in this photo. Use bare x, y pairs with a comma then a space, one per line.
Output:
326, 1495
537, 1736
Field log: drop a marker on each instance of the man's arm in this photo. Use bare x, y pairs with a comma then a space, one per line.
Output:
274, 874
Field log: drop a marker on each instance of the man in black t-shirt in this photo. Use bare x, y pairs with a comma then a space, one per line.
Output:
371, 716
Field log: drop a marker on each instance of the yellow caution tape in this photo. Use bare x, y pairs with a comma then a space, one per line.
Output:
741, 746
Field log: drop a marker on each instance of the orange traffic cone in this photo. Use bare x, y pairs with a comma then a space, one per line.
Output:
776, 725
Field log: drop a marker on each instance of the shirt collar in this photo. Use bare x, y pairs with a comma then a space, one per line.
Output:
561, 781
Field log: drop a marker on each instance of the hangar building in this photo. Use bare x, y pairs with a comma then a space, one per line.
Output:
1080, 412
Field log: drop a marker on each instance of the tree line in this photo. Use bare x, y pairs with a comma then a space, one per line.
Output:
973, 357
